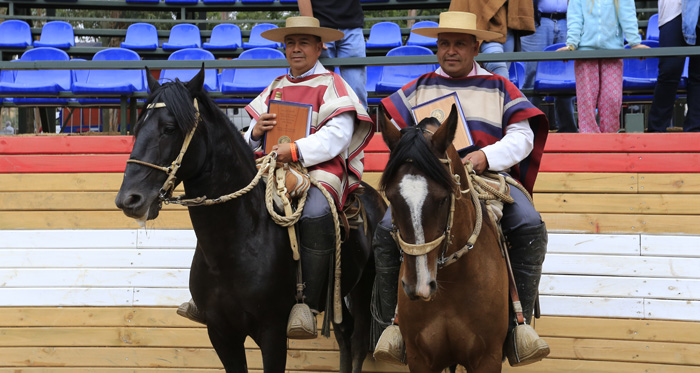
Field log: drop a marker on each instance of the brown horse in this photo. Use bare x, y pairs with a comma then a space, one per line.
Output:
454, 307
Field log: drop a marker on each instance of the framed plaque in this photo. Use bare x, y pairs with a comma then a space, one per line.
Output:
439, 109
293, 123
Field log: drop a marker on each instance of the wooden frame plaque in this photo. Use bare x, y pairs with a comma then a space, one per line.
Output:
439, 109
293, 123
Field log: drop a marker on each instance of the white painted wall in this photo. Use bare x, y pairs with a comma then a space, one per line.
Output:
627, 276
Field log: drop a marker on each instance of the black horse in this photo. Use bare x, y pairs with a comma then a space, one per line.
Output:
243, 276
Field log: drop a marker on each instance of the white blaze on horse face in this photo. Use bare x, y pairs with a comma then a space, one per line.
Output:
414, 190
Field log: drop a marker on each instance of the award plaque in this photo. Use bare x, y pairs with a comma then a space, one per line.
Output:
293, 123
439, 109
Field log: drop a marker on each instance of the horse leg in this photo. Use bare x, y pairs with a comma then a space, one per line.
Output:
273, 346
360, 299
343, 333
230, 348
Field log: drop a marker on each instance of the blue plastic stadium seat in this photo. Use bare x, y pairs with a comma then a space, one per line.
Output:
257, 41
225, 36
56, 34
555, 76
15, 33
516, 72
384, 35
219, 1
653, 27
395, 77
141, 36
684, 75
423, 41
373, 74
112, 82
257, 1
252, 81
211, 78
183, 35
181, 2
39, 82
640, 74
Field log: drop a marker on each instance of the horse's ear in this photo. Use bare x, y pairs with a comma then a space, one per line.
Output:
196, 84
446, 133
152, 82
390, 133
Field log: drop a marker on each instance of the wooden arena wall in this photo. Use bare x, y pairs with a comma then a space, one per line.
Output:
82, 287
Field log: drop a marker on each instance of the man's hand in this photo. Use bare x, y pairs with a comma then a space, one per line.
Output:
640, 46
284, 153
264, 124
478, 160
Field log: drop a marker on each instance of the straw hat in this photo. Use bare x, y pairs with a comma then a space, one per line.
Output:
302, 25
457, 22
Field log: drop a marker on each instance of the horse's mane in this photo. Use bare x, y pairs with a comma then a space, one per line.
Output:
414, 148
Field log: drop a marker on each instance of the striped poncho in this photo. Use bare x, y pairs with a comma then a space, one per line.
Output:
330, 96
490, 103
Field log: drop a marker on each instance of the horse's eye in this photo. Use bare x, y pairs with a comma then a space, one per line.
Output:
169, 130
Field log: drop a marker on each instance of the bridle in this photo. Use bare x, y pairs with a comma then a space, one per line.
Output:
446, 238
166, 191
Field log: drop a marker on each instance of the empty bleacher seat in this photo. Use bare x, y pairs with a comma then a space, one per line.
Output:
640, 74
555, 76
516, 72
211, 78
257, 41
384, 35
183, 35
56, 34
373, 74
112, 82
653, 28
252, 81
394, 77
424, 41
225, 36
141, 36
15, 33
39, 82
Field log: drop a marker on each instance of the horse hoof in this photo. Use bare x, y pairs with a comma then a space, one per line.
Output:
302, 323
390, 347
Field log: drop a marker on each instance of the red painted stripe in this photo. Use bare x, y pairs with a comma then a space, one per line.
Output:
375, 162
63, 163
622, 142
621, 162
66, 144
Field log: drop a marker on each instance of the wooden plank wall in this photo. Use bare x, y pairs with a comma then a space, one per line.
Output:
83, 288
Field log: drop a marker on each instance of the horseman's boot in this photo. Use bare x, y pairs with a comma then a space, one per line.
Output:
387, 262
190, 311
527, 247
316, 248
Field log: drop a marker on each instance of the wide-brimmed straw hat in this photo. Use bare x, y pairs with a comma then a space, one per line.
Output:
302, 25
457, 22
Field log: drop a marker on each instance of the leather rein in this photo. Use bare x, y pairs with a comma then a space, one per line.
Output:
446, 238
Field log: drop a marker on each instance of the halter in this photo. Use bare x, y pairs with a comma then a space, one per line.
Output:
446, 238
166, 190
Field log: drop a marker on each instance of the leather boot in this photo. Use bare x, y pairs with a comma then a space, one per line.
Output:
190, 311
527, 247
316, 248
389, 347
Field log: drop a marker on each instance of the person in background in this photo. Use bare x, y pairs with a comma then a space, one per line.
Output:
550, 28
8, 130
599, 25
678, 27
346, 16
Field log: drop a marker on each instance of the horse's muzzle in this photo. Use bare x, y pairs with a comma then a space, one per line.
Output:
137, 206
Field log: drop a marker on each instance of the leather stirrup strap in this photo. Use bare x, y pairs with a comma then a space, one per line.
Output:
513, 289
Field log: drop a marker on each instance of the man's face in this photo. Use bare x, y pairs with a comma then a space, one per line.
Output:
302, 52
456, 52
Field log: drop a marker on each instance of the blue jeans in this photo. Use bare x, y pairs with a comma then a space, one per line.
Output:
670, 70
351, 45
500, 68
548, 32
